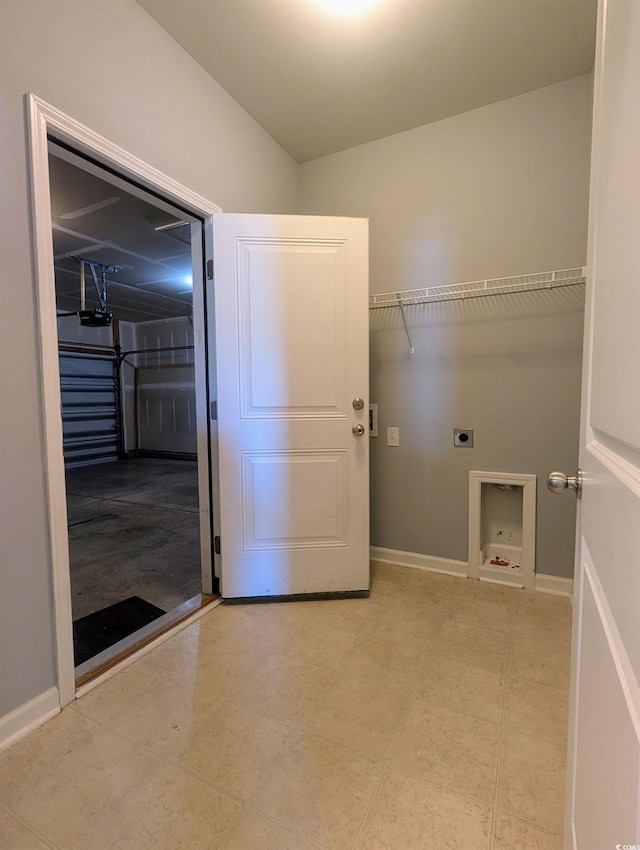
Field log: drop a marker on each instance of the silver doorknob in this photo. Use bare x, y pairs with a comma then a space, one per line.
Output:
358, 430
558, 482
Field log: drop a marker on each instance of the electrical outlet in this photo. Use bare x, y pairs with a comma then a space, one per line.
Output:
393, 436
463, 438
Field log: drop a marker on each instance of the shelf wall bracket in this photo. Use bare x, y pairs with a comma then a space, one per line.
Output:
406, 328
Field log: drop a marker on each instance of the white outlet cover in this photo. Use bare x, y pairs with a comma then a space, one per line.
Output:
393, 436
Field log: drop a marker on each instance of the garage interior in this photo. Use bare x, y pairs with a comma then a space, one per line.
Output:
124, 300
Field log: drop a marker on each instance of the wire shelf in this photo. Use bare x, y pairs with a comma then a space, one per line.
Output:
479, 288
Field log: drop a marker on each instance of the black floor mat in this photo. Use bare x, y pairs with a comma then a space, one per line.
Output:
101, 629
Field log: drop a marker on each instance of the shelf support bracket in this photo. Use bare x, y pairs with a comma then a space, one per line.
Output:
406, 328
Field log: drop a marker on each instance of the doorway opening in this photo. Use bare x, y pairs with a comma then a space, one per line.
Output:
128, 277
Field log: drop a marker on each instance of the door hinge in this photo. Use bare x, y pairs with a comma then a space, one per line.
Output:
216, 544
214, 410
209, 269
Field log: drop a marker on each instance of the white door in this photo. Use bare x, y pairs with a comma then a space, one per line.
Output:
604, 753
291, 319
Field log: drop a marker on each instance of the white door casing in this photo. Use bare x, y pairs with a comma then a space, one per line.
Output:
45, 120
292, 354
603, 802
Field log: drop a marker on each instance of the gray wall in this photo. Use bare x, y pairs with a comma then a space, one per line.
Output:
107, 64
498, 191
509, 367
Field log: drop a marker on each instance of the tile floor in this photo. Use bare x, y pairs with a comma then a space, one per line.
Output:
432, 715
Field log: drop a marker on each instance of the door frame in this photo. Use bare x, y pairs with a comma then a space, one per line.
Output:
44, 121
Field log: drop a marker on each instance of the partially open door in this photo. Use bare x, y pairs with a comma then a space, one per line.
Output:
604, 752
291, 317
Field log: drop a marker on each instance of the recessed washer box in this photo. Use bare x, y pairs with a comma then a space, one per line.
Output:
463, 438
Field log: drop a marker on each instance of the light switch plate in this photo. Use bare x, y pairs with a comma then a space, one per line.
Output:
393, 436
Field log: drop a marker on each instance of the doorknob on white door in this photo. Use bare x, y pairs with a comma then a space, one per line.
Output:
558, 482
358, 430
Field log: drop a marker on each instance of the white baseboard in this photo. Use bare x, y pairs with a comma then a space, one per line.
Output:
431, 563
28, 717
554, 585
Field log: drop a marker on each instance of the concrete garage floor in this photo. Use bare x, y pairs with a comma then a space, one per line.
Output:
133, 531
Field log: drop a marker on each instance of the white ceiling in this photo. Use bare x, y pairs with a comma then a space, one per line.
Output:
320, 82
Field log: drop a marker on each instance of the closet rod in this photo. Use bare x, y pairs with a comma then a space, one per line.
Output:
478, 289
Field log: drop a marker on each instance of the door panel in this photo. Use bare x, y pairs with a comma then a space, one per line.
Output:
615, 407
291, 296
295, 293
604, 755
607, 743
294, 500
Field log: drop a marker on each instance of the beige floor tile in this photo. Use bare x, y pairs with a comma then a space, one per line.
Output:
539, 661
347, 614
290, 614
328, 614
403, 629
223, 656
291, 707
419, 595
182, 653
411, 814
172, 812
366, 725
260, 628
478, 612
68, 799
226, 615
495, 593
14, 836
484, 648
317, 645
464, 688
547, 624
532, 780
321, 789
234, 749
368, 696
538, 710
389, 663
511, 833
449, 748
551, 605
165, 719
45, 747
287, 688
436, 587
117, 693
256, 832
384, 580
